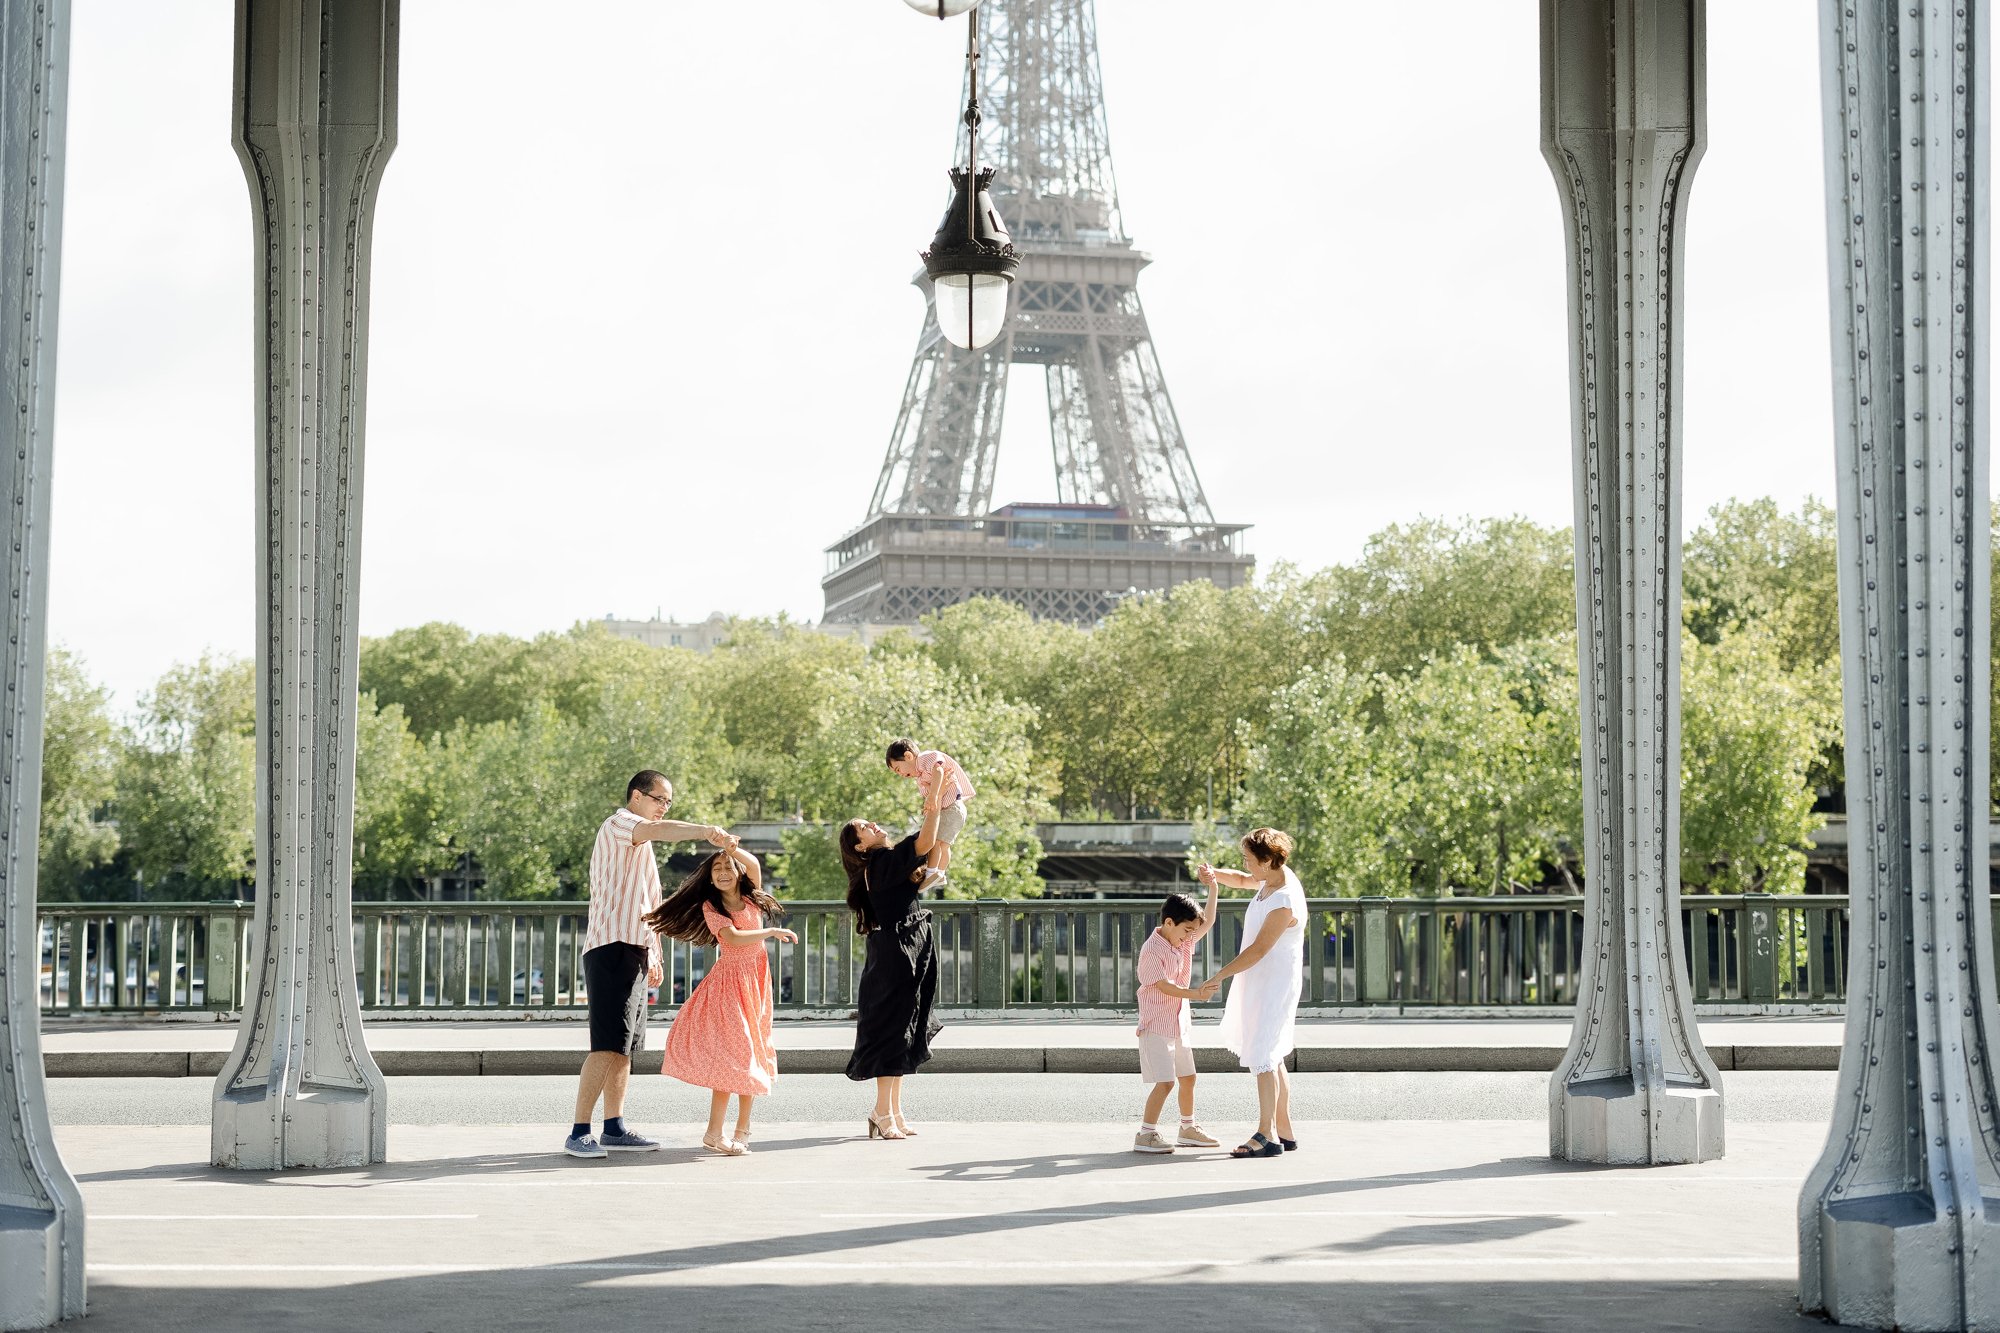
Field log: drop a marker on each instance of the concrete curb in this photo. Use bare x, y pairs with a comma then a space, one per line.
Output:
950, 1060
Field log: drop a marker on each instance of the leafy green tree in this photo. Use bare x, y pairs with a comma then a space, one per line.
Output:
532, 791
187, 780
402, 823
764, 685
1425, 588
1315, 774
79, 778
844, 776
1153, 718
1753, 563
1751, 731
1482, 763
440, 675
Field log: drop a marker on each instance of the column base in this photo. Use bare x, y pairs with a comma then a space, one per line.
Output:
1604, 1121
318, 1127
1889, 1262
31, 1256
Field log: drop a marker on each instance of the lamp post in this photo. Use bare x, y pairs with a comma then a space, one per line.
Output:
971, 260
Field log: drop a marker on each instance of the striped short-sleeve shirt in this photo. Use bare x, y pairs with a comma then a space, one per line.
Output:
624, 885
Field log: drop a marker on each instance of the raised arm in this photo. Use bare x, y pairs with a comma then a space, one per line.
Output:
1208, 912
673, 830
927, 835
737, 935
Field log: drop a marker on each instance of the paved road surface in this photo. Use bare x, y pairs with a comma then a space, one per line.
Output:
1090, 1099
984, 1225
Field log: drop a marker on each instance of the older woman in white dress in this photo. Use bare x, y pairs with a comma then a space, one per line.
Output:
1259, 1017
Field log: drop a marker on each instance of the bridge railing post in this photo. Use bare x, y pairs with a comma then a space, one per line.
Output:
1759, 938
219, 983
991, 921
1374, 962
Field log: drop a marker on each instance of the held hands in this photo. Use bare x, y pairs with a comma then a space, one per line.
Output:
1206, 874
1208, 990
721, 837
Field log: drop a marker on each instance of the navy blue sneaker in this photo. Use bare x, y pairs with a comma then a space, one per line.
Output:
583, 1145
630, 1142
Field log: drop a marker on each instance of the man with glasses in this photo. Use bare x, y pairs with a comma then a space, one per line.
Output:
621, 954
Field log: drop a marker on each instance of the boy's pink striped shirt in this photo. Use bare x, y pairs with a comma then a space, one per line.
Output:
1162, 960
957, 787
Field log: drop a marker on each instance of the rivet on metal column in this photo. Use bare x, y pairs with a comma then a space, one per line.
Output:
41, 1222
1623, 126
1897, 1221
315, 109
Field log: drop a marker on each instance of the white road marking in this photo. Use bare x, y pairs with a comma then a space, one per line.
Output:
1206, 1212
906, 1266
653, 1178
280, 1217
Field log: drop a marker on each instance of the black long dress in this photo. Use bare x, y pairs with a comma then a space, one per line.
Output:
899, 974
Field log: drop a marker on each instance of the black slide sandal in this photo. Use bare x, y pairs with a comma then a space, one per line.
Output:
1257, 1146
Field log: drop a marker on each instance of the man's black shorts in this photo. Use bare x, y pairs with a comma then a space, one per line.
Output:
615, 976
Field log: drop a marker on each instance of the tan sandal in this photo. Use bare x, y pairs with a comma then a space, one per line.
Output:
878, 1130
742, 1140
723, 1147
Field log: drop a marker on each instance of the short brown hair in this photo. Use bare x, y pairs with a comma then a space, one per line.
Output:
1269, 846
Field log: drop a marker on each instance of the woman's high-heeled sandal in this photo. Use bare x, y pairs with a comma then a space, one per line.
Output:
878, 1130
904, 1125
722, 1147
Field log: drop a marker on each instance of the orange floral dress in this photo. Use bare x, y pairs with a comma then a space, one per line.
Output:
721, 1038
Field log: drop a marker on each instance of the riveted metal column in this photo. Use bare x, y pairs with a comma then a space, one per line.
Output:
1623, 109
315, 120
1897, 1221
41, 1211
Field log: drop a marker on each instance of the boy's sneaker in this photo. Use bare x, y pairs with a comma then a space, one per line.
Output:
630, 1142
583, 1145
1150, 1140
1193, 1136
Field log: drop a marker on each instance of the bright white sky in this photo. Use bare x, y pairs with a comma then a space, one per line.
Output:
642, 307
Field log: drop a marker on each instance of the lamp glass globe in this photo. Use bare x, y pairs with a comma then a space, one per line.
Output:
971, 307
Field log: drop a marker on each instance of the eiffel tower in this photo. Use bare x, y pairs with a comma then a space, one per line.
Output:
1129, 514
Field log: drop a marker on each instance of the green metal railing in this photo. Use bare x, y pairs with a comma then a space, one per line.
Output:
1063, 953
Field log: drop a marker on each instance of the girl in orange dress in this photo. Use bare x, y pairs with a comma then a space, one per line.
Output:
721, 1039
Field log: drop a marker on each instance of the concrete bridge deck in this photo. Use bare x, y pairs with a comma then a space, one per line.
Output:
101, 1048
1047, 1224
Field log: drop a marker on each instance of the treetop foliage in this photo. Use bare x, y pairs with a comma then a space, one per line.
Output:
1410, 717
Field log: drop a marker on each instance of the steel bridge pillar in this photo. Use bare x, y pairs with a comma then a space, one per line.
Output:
1899, 1222
315, 113
41, 1211
1622, 128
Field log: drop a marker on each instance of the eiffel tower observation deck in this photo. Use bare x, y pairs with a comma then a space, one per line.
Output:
1129, 513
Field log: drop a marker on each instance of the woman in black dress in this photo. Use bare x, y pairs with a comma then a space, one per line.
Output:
899, 975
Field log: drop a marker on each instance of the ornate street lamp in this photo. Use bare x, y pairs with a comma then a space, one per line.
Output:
972, 260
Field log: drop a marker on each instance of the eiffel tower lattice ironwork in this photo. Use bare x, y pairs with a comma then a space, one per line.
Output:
1130, 512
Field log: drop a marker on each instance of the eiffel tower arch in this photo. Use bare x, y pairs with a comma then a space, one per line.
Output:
1129, 512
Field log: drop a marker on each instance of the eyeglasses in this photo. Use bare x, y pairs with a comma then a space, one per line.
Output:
664, 801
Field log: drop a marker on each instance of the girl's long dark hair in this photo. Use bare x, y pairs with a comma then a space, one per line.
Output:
855, 862
680, 916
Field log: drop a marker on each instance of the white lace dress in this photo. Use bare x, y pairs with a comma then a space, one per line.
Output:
1261, 1013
